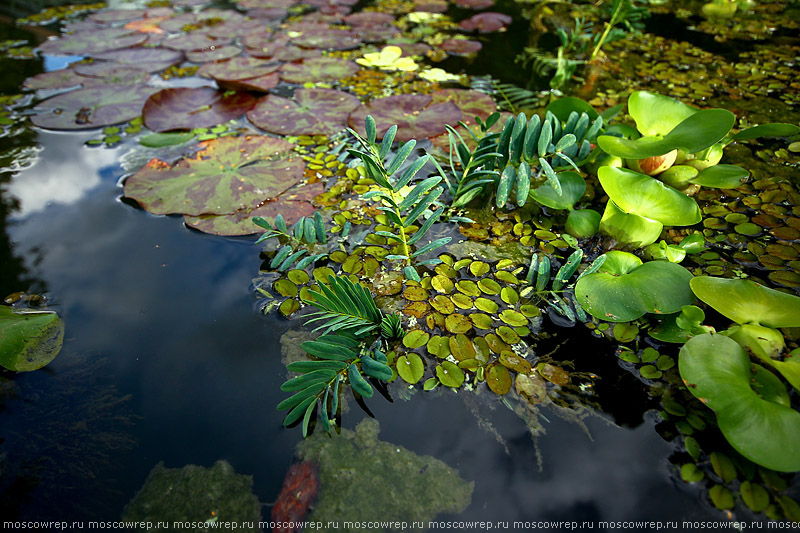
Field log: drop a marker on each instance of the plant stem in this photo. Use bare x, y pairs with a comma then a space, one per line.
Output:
610, 24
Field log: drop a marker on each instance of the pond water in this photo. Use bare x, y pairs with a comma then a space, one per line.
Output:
168, 359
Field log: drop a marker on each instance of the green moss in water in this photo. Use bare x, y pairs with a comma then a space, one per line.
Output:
364, 479
194, 495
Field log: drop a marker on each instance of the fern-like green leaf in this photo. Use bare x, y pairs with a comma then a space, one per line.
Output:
345, 305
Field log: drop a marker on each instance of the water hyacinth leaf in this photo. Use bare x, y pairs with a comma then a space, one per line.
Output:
696, 133
656, 114
719, 372
410, 368
572, 188
767, 130
721, 177
745, 301
312, 112
563, 107
621, 292
416, 116
29, 340
637, 194
632, 229
92, 107
224, 176
188, 108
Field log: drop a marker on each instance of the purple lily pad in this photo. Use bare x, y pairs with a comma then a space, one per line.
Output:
92, 42
56, 79
226, 175
474, 4
193, 107
108, 73
268, 13
284, 53
112, 16
292, 205
431, 6
261, 84
149, 59
376, 34
413, 49
177, 23
471, 103
416, 116
213, 53
327, 39
265, 4
234, 28
313, 111
369, 18
238, 68
318, 69
461, 46
486, 22
92, 107
193, 41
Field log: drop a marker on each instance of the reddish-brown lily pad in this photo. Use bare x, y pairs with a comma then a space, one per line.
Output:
226, 175
193, 107
111, 16
471, 103
267, 14
327, 39
236, 69
416, 115
265, 4
461, 46
92, 107
430, 6
486, 22
213, 53
474, 4
91, 42
413, 49
291, 205
193, 41
56, 79
149, 59
234, 28
369, 18
106, 72
313, 111
318, 69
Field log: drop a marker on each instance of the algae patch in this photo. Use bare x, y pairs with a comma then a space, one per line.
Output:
389, 482
196, 495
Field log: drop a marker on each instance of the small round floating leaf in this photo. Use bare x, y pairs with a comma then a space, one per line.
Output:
462, 301
285, 287
508, 335
509, 295
462, 347
468, 287
498, 378
439, 346
457, 323
478, 268
530, 311
723, 466
625, 332
495, 344
514, 362
650, 372
513, 318
553, 374
489, 286
691, 474
532, 388
486, 305
721, 497
450, 375
410, 368
506, 277
692, 447
415, 294
288, 307
442, 284
755, 496
481, 321
443, 304
415, 338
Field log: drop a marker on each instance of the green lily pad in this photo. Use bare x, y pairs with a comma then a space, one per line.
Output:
498, 378
515, 362
313, 111
486, 305
30, 340
481, 321
450, 375
457, 323
318, 69
226, 175
572, 188
416, 116
187, 42
745, 301
410, 368
621, 291
694, 134
92, 107
760, 426
513, 318
462, 347
415, 338
186, 108
637, 194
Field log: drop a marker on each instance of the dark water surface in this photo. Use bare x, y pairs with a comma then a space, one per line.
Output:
166, 359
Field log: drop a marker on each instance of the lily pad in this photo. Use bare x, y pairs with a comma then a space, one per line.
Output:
92, 42
193, 41
149, 59
450, 375
56, 79
498, 378
194, 107
318, 69
461, 46
487, 22
474, 4
30, 340
327, 39
92, 107
471, 103
410, 368
237, 68
623, 289
213, 53
415, 115
107, 73
226, 175
313, 111
759, 424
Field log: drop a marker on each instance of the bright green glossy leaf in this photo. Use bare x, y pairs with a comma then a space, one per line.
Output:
29, 341
572, 188
410, 368
656, 114
631, 229
721, 177
767, 130
449, 374
745, 301
718, 371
